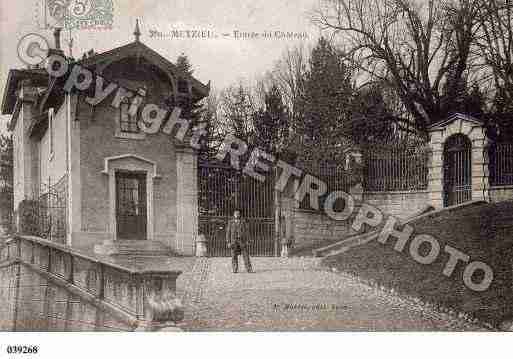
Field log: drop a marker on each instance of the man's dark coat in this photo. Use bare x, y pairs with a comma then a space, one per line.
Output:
237, 232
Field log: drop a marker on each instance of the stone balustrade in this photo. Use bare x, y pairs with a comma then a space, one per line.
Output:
142, 298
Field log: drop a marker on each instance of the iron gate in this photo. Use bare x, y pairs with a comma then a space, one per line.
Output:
457, 170
221, 191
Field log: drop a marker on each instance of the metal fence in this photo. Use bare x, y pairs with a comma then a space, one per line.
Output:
501, 164
336, 178
396, 169
52, 211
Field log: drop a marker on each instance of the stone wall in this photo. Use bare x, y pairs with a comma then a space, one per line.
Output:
23, 146
401, 204
186, 202
314, 227
32, 303
311, 228
501, 193
45, 286
52, 161
8, 281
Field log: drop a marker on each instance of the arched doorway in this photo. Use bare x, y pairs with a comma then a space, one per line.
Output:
457, 162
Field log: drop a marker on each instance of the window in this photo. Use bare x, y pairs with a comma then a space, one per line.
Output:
127, 122
183, 86
51, 131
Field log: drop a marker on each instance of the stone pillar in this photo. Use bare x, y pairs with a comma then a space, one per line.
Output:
355, 165
480, 161
161, 309
28, 98
186, 201
435, 165
288, 205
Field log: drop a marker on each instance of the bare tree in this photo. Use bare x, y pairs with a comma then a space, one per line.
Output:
288, 75
495, 45
210, 117
237, 104
420, 49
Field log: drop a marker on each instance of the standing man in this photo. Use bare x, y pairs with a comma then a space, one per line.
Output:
237, 240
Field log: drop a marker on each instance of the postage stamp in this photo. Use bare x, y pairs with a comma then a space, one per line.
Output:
75, 14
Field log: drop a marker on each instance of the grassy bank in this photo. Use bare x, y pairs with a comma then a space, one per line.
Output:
471, 230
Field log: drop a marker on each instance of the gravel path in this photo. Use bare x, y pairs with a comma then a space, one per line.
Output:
295, 294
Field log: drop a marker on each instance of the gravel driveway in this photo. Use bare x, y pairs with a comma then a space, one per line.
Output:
295, 294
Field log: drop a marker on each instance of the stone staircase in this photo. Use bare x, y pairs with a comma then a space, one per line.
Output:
345, 244
133, 247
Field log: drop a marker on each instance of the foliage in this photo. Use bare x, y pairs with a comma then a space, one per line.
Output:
416, 48
372, 120
327, 96
271, 123
190, 109
289, 75
211, 138
237, 107
494, 44
183, 64
200, 113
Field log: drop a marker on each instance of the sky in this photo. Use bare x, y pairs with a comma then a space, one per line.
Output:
222, 60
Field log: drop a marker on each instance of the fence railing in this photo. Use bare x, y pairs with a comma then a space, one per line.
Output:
396, 169
52, 211
336, 178
501, 164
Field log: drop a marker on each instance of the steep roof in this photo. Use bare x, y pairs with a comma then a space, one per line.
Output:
136, 48
139, 49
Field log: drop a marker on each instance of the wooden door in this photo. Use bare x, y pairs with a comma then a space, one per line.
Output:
131, 205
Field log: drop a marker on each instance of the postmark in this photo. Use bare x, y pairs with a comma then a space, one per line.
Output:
75, 14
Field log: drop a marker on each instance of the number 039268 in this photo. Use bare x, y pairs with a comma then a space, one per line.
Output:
22, 349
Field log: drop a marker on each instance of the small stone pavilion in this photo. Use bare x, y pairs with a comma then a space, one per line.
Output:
458, 171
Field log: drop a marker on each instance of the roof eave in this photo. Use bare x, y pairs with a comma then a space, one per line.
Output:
453, 117
202, 89
15, 75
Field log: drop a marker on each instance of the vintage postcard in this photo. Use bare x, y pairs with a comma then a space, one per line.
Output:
256, 166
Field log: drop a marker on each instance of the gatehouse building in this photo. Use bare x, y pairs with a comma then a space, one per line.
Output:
106, 185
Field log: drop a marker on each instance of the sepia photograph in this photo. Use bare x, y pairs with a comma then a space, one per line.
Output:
255, 166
